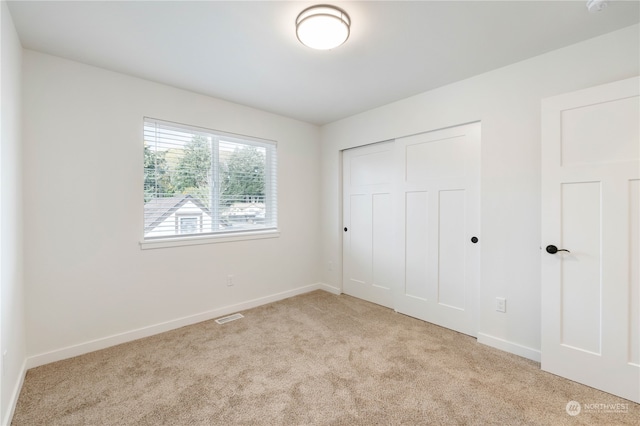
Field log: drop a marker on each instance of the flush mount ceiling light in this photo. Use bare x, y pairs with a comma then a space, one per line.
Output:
595, 6
323, 27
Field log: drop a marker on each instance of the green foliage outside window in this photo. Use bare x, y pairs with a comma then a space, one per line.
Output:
242, 173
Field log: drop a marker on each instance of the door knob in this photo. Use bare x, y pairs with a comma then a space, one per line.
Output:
345, 229
551, 249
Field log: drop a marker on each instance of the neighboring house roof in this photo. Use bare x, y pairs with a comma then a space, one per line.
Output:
157, 210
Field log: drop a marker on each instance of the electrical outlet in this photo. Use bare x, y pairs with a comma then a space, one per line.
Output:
501, 304
229, 280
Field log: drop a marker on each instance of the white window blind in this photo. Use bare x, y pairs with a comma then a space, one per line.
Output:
199, 182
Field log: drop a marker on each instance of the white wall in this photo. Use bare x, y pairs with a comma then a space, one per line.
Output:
507, 102
12, 334
86, 276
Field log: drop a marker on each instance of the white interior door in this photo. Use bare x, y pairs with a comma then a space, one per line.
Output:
368, 226
591, 207
438, 204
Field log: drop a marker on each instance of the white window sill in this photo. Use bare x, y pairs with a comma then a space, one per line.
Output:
208, 239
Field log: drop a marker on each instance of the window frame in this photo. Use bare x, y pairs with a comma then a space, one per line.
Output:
270, 191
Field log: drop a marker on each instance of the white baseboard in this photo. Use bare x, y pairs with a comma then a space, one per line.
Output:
116, 339
505, 345
13, 401
331, 289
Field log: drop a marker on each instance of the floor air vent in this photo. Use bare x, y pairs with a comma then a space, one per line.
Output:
230, 318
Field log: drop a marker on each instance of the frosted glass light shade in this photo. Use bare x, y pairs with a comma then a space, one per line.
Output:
322, 27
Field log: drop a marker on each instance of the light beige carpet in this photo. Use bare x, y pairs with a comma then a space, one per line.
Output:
313, 359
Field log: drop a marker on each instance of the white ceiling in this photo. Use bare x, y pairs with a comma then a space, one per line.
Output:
247, 52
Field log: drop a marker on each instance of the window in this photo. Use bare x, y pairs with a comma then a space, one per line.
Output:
200, 182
